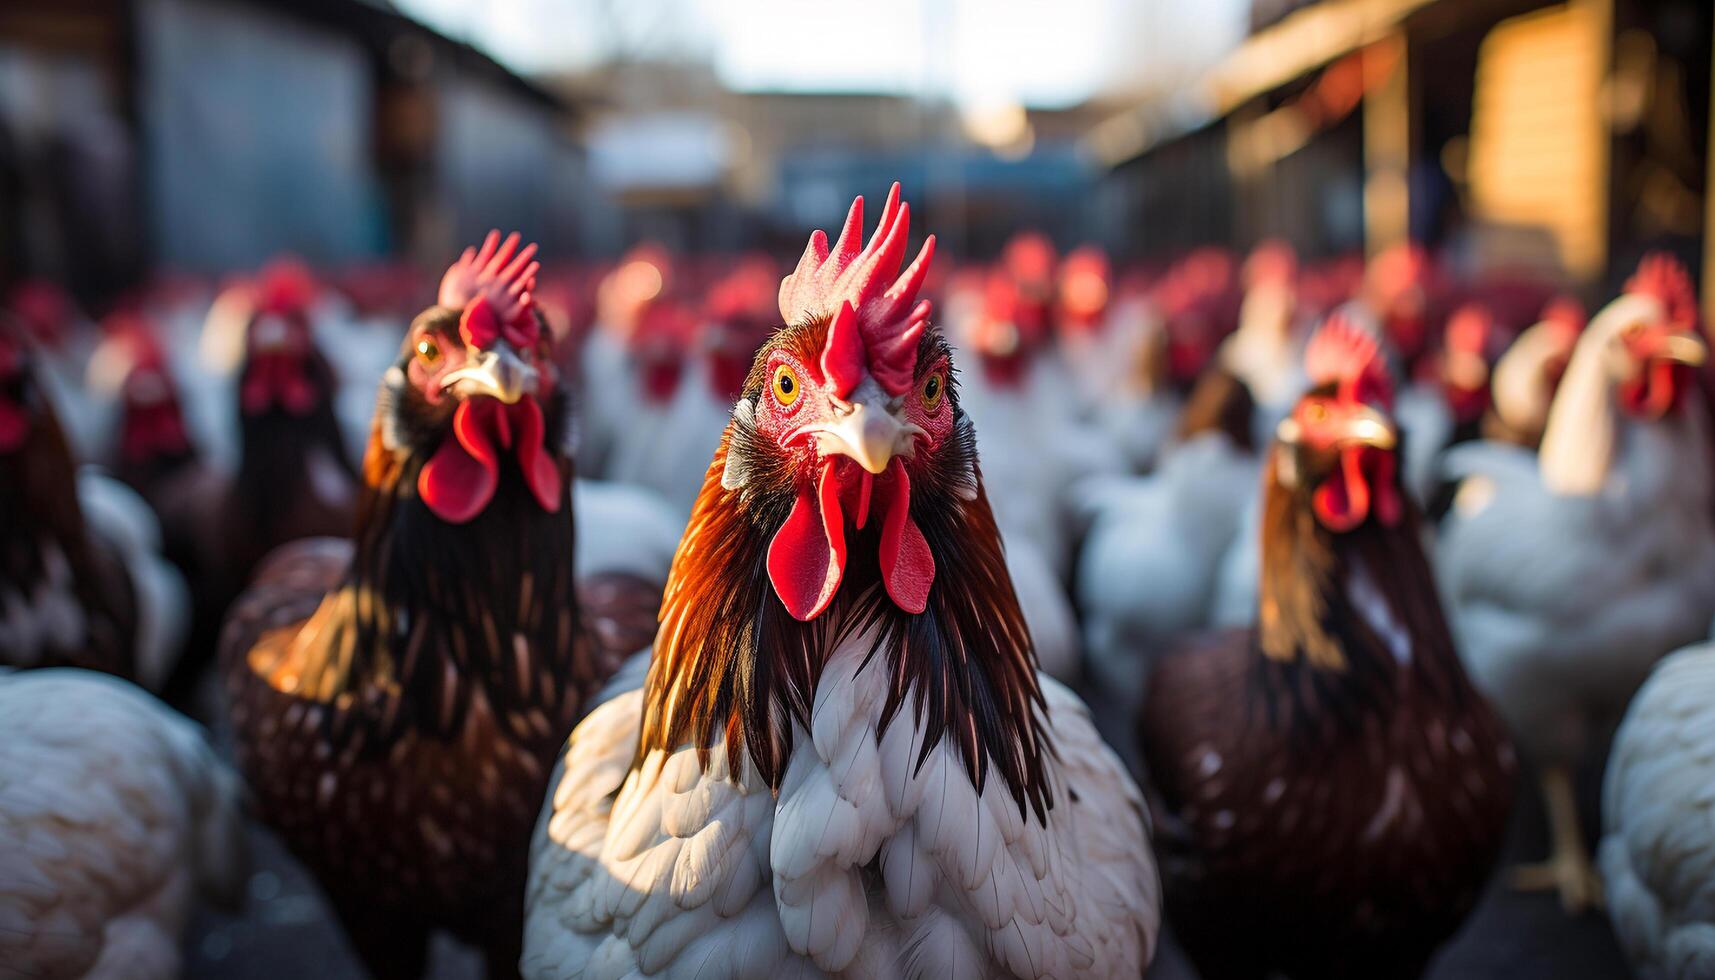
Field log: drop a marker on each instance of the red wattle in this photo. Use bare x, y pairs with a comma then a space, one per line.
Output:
277, 379
1343, 500
460, 480
907, 566
540, 472
808, 554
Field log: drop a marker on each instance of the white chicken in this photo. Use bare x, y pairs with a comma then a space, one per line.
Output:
1569, 574
115, 818
788, 794
1149, 567
1658, 850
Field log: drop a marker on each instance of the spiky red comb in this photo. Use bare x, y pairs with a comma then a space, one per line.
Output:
874, 319
493, 287
1346, 354
1662, 276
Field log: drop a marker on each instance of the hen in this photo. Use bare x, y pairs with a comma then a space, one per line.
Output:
397, 700
1658, 849
1569, 573
82, 580
1528, 373
107, 842
843, 759
1329, 786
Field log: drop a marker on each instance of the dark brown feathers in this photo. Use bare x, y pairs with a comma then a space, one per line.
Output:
1328, 786
48, 550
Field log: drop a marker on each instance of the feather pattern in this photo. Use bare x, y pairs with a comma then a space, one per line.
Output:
107, 842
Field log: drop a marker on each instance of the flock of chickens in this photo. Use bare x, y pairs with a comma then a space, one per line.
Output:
782, 679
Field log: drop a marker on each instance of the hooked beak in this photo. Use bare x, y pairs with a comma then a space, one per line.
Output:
498, 373
866, 430
1683, 348
1365, 427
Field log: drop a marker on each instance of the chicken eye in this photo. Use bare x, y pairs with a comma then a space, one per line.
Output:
1316, 413
785, 385
428, 351
934, 386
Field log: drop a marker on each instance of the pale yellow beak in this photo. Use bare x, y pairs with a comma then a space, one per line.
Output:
1366, 427
498, 373
1683, 348
867, 430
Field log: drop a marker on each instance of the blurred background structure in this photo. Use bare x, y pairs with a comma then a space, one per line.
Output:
206, 135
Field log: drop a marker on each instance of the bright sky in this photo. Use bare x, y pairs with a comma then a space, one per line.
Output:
981, 52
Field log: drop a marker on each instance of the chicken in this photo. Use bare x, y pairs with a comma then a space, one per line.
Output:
1037, 447
1658, 848
666, 444
792, 790
107, 843
82, 580
1527, 375
1174, 530
397, 700
153, 452
294, 477
643, 277
1569, 573
1330, 791
1446, 406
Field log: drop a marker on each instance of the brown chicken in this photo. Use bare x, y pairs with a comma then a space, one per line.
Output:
66, 597
398, 700
1328, 786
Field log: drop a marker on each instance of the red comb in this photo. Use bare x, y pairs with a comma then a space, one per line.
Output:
1346, 354
493, 286
286, 286
888, 325
1662, 276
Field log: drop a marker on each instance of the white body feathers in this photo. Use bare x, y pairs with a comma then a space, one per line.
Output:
865, 866
115, 815
1658, 807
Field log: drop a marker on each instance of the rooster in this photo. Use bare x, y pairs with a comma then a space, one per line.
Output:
397, 700
842, 758
1570, 572
1329, 783
115, 816
82, 580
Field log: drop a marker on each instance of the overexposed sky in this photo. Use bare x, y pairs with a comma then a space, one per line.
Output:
981, 52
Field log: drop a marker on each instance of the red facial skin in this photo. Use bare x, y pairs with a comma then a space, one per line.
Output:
459, 481
1362, 478
808, 555
1659, 385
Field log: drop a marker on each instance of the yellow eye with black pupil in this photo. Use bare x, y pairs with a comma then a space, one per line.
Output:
1316, 412
934, 386
428, 350
785, 385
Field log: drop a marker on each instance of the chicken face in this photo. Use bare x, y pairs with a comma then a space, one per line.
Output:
469, 386
278, 372
1652, 364
1651, 337
844, 410
1339, 443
